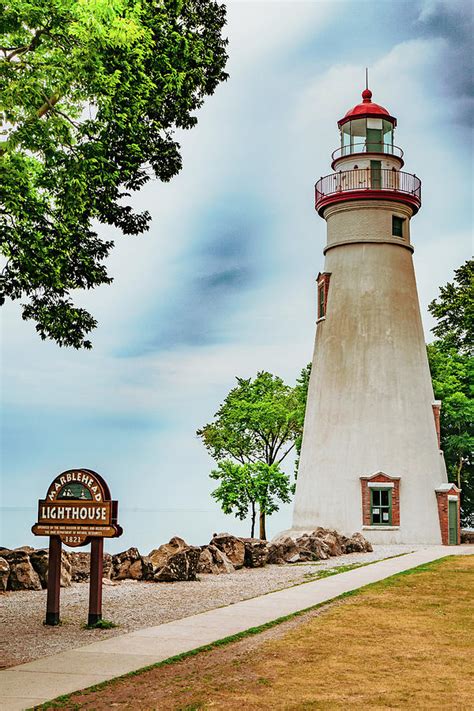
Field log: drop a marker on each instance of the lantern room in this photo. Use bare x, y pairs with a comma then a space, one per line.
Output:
367, 165
367, 128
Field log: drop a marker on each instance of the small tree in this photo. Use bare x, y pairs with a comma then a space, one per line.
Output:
244, 486
258, 422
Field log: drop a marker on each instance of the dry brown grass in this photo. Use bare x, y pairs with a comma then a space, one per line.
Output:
404, 643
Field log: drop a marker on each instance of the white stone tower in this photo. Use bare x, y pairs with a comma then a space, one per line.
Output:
370, 458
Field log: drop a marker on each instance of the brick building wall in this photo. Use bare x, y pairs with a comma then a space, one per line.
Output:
381, 478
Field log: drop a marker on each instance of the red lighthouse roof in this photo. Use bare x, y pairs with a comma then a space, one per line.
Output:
367, 109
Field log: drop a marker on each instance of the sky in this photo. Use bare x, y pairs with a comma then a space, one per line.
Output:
223, 284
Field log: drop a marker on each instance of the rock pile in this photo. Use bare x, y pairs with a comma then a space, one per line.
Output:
27, 569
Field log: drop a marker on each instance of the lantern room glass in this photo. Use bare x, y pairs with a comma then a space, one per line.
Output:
367, 135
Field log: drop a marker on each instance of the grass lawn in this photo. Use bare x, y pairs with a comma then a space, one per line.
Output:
406, 642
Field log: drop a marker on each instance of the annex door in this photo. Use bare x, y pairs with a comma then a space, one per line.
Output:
453, 522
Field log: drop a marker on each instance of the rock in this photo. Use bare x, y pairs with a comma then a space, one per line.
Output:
233, 547
108, 581
313, 545
214, 561
466, 536
4, 574
182, 565
332, 539
357, 544
40, 562
282, 550
256, 552
160, 556
275, 553
80, 564
129, 564
22, 574
107, 565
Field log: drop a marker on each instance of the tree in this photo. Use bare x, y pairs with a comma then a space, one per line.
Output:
452, 374
301, 392
92, 93
258, 422
454, 310
244, 486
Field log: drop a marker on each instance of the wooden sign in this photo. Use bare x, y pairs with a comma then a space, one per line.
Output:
77, 510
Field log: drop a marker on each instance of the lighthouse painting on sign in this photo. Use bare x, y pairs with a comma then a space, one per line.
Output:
371, 458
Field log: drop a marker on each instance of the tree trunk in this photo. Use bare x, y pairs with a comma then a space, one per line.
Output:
252, 533
459, 470
263, 533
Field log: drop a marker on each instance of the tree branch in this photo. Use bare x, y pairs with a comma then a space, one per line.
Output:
287, 452
48, 105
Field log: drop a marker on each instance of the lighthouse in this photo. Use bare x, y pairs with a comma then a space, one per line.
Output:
370, 458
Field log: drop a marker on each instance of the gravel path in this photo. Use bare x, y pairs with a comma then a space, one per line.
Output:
133, 605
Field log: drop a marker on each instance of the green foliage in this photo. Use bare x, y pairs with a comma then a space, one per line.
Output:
451, 360
256, 427
101, 625
301, 392
244, 486
454, 310
259, 420
91, 94
452, 374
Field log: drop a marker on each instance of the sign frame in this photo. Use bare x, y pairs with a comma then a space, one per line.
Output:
77, 510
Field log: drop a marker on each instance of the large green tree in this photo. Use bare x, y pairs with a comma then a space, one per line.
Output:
453, 383
454, 311
258, 422
451, 359
91, 94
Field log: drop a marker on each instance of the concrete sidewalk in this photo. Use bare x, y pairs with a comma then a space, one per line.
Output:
34, 683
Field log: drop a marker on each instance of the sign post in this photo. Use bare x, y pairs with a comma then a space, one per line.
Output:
77, 510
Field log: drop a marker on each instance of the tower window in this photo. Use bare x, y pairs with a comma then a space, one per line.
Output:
381, 507
397, 226
321, 302
323, 288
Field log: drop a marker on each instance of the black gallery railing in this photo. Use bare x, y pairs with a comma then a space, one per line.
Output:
368, 179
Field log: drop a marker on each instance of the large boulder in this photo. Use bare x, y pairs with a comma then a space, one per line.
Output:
256, 552
130, 564
356, 544
312, 547
80, 563
214, 561
160, 556
81, 566
233, 547
332, 539
182, 565
4, 574
40, 562
22, 574
283, 550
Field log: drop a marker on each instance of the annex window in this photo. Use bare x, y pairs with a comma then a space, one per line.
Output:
381, 507
397, 226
